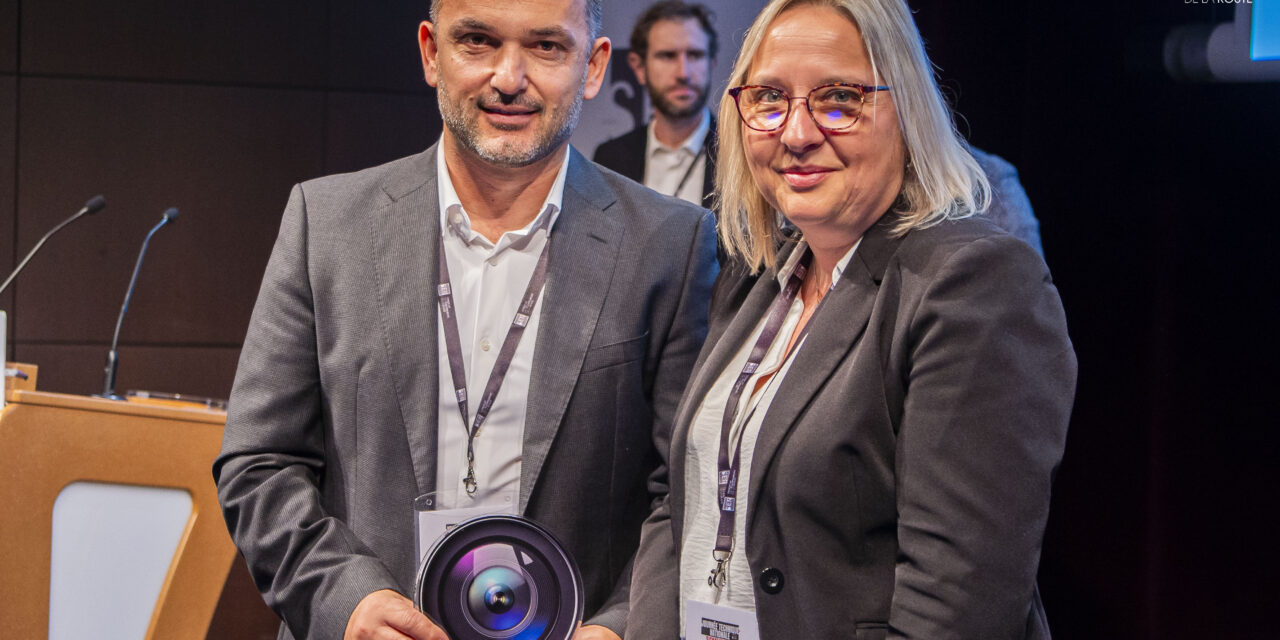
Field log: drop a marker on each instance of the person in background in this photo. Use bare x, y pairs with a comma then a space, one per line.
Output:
498, 266
673, 49
1010, 208
868, 440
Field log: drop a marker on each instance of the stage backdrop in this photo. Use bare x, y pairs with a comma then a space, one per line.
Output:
216, 108
1157, 201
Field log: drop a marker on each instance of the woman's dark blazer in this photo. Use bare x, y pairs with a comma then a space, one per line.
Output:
900, 482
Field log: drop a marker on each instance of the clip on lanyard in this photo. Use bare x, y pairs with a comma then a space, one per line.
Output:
727, 476
444, 291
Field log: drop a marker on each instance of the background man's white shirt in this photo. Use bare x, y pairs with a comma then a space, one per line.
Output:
665, 166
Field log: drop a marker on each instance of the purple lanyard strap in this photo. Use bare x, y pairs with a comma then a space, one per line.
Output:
453, 344
727, 468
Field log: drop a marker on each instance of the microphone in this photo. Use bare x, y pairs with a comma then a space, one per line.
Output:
109, 373
94, 205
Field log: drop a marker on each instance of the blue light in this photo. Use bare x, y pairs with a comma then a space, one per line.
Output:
1265, 40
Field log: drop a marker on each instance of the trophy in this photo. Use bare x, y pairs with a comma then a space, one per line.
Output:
500, 576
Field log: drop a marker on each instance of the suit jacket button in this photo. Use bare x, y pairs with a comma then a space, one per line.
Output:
771, 580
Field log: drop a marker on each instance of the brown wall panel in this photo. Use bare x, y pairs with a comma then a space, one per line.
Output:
9, 36
231, 41
226, 157
188, 370
374, 45
8, 158
366, 129
241, 612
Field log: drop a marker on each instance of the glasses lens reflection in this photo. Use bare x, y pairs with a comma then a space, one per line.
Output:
835, 107
832, 107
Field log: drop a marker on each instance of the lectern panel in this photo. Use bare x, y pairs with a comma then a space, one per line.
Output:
49, 441
117, 535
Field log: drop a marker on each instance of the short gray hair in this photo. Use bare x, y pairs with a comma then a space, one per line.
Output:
941, 181
595, 17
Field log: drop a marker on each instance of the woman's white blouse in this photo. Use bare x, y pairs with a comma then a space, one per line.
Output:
702, 515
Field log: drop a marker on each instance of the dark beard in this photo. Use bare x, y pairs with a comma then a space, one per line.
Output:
661, 105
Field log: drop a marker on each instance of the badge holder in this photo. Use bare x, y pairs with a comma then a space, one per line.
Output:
438, 512
706, 621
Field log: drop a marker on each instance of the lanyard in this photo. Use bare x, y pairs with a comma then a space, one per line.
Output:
453, 345
728, 467
688, 172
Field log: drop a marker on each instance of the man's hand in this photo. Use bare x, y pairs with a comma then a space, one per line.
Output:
595, 632
387, 615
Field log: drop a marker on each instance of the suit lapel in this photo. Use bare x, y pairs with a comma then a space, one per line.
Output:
406, 242
731, 324
836, 329
584, 250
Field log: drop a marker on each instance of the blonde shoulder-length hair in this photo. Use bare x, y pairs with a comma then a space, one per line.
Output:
941, 179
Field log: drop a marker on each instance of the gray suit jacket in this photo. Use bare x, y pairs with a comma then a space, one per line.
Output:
331, 431
900, 482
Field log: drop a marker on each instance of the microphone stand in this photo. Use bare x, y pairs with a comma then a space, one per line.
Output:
113, 357
94, 205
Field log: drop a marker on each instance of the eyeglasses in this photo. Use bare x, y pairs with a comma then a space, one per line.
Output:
833, 107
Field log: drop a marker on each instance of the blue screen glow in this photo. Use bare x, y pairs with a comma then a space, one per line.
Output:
1265, 41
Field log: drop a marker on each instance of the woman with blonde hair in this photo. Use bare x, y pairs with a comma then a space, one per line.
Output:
868, 440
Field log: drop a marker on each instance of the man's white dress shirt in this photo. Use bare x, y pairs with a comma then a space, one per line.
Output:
488, 282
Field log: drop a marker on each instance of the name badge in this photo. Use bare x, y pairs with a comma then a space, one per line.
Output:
431, 522
705, 621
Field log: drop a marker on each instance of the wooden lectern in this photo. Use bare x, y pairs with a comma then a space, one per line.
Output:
49, 441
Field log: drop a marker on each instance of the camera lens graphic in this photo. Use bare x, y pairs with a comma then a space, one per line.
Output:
498, 598
501, 577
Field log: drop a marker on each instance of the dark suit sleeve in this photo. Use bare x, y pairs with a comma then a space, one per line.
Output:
667, 376
989, 390
655, 583
306, 562
688, 329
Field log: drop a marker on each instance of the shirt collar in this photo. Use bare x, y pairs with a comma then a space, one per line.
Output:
454, 217
692, 144
785, 272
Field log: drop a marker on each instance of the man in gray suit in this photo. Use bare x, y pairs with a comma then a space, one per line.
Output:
347, 404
